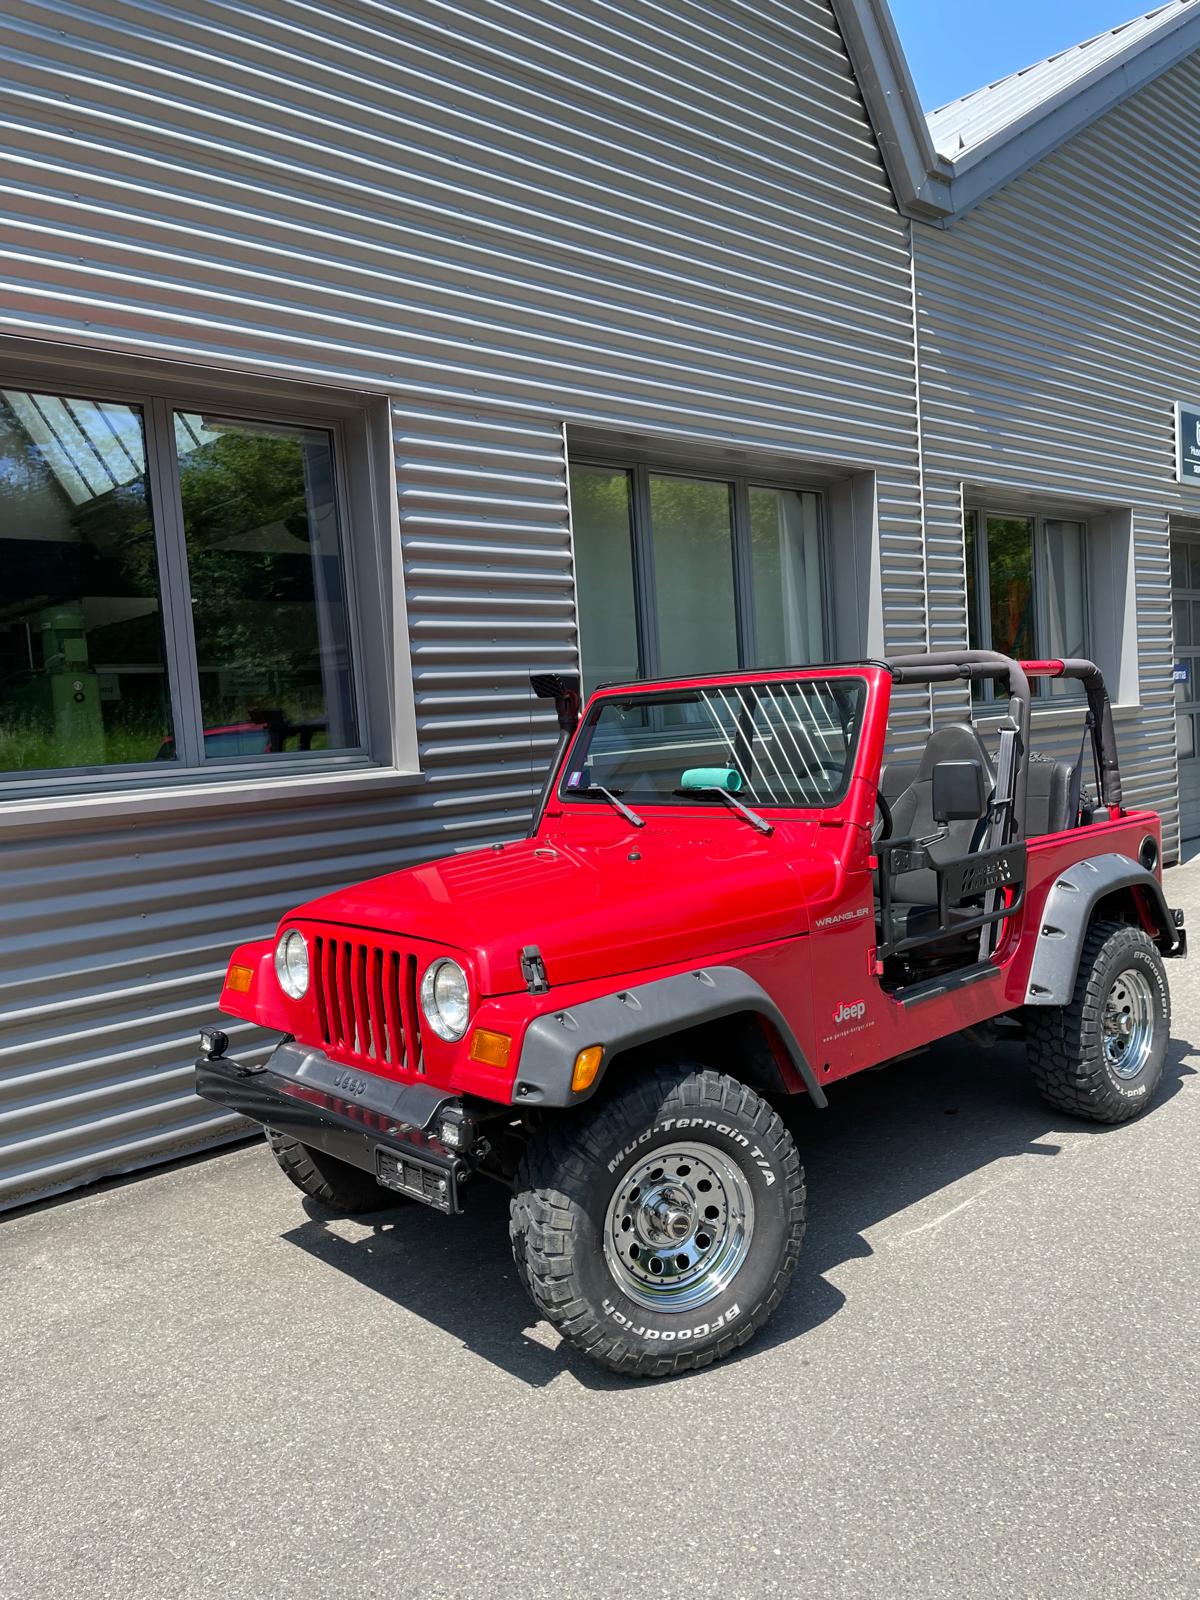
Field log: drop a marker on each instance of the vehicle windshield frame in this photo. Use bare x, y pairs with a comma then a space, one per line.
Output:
685, 691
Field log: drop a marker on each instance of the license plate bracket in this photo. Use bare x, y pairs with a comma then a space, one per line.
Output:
434, 1186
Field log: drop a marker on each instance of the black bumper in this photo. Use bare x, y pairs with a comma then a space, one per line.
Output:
369, 1122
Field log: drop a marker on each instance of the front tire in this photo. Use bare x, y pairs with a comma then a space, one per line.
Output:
1102, 1056
657, 1230
322, 1177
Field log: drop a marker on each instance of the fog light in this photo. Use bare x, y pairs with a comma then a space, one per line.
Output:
587, 1065
213, 1043
489, 1047
455, 1131
239, 979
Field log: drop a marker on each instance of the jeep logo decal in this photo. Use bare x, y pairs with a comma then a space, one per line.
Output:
349, 1083
850, 1011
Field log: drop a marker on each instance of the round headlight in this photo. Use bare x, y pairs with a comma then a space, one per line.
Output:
445, 999
291, 964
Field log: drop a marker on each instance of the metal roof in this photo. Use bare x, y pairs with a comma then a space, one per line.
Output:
968, 122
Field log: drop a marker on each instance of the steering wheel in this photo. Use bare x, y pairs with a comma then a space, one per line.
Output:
883, 828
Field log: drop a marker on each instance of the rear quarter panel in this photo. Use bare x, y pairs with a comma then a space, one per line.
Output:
1047, 858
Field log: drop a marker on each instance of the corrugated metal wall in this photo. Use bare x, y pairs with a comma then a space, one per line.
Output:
668, 221
1057, 328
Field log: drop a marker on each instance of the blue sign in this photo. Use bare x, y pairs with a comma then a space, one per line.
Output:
1187, 441
1182, 673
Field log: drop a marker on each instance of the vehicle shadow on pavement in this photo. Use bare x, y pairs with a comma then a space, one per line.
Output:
888, 1140
454, 1272
895, 1137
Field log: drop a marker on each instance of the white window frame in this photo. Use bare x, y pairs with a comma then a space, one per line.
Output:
386, 729
980, 512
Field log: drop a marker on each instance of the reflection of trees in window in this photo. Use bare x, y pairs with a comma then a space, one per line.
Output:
82, 679
265, 572
83, 658
1010, 577
1027, 590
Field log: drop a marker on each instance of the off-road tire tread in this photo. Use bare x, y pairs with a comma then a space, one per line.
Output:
540, 1215
1060, 1041
322, 1177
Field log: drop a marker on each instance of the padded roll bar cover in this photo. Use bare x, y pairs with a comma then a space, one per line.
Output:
1089, 674
986, 664
1068, 911
637, 1015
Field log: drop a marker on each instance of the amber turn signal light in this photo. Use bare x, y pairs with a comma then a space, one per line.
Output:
492, 1048
239, 979
587, 1065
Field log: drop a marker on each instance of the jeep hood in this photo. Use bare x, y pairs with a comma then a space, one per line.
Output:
594, 908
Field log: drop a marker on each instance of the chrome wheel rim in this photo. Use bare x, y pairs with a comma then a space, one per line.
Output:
1127, 1026
679, 1227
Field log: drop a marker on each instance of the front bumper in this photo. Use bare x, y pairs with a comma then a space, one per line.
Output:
367, 1121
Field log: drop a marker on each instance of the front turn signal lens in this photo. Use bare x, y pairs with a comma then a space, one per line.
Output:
489, 1047
587, 1065
239, 979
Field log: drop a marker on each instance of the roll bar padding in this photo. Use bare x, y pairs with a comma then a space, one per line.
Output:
948, 666
945, 666
1104, 735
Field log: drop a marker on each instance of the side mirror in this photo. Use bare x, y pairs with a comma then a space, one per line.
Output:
960, 791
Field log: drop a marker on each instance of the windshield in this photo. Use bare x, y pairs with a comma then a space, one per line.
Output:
782, 742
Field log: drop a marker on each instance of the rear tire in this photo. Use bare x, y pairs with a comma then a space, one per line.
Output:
658, 1229
1102, 1056
322, 1177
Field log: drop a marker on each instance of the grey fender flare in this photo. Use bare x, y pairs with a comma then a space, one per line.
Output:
1068, 910
637, 1015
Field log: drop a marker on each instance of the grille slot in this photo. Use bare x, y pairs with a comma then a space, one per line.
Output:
367, 1002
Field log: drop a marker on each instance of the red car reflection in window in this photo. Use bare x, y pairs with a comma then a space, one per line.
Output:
239, 739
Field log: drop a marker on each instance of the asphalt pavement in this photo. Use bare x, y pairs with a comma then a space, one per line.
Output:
984, 1380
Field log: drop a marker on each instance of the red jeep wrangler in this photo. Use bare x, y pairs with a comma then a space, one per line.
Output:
726, 898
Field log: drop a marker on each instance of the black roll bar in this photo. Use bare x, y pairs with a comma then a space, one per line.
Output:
949, 666
945, 666
1104, 739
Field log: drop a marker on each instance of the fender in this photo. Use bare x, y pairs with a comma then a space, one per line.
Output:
636, 1016
1068, 910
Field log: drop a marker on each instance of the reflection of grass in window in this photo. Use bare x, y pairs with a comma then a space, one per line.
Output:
30, 745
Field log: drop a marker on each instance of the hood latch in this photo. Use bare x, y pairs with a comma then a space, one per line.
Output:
533, 970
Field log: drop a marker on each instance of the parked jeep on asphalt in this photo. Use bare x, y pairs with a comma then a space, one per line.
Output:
727, 898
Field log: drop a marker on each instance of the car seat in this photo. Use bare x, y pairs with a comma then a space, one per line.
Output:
914, 895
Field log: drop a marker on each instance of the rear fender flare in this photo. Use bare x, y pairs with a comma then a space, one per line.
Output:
639, 1015
1068, 910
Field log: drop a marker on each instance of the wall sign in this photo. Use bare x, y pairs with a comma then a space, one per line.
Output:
1187, 443
1182, 672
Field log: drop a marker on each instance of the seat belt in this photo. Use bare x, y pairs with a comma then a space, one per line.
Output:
999, 829
1075, 795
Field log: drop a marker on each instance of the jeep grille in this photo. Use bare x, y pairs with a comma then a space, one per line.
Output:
367, 1003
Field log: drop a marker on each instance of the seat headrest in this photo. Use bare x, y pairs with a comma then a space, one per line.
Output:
956, 741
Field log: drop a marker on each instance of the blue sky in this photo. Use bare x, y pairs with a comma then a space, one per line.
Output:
954, 46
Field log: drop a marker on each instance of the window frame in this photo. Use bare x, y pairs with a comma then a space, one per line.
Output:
157, 406
641, 539
980, 511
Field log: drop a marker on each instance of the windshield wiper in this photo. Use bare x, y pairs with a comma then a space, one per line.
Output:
618, 805
731, 800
